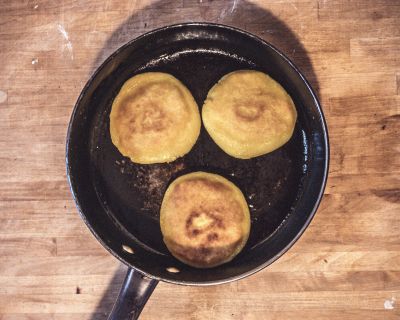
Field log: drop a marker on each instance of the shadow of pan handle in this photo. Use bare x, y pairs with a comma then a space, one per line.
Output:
135, 291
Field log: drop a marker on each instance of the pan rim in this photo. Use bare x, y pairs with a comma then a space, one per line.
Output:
325, 139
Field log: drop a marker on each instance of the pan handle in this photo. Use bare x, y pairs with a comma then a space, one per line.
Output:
134, 293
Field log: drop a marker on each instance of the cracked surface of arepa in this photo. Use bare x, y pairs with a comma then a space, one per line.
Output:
205, 219
154, 119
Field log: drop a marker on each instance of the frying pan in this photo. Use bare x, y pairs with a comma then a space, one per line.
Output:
120, 200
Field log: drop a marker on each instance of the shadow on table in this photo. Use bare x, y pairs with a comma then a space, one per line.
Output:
241, 14
107, 301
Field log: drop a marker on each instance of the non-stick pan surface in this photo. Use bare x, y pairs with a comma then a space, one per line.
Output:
120, 200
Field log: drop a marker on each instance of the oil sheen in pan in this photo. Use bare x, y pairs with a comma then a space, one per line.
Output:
270, 183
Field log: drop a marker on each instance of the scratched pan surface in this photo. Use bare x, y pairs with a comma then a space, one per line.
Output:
120, 200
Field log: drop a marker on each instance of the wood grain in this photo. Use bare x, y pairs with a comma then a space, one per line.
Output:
346, 265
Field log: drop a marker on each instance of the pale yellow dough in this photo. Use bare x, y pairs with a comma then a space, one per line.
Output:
154, 119
249, 114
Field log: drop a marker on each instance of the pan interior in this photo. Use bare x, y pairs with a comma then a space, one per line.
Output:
131, 194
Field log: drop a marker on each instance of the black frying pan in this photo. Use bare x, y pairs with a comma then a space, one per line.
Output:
120, 201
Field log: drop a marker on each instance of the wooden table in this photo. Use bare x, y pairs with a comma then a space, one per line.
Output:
347, 264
